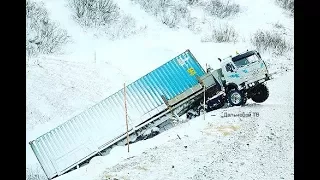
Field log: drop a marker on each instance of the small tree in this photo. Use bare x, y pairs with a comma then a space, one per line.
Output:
168, 12
94, 13
224, 33
287, 5
42, 35
221, 9
267, 40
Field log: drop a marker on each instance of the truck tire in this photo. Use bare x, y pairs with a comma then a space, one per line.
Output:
261, 93
236, 97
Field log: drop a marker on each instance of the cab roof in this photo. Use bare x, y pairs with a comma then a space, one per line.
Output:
243, 55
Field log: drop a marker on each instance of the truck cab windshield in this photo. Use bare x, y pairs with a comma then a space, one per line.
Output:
245, 59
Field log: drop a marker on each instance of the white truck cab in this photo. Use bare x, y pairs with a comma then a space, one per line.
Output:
245, 70
244, 76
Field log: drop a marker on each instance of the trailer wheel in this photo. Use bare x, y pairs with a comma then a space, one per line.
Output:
191, 114
236, 97
200, 110
261, 93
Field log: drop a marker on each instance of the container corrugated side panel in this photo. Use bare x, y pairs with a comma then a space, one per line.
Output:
83, 135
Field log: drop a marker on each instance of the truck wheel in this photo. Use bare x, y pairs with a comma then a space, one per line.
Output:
235, 97
261, 93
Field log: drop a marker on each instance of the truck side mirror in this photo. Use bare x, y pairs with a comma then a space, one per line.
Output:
259, 55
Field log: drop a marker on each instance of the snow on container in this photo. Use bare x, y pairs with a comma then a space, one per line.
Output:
91, 131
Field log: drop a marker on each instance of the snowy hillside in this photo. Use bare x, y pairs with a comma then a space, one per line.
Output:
96, 62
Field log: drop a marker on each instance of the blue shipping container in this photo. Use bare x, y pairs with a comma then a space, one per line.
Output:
92, 130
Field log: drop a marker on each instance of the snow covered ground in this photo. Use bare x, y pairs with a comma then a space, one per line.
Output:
61, 86
251, 142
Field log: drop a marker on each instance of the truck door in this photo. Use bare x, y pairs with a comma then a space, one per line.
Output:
230, 72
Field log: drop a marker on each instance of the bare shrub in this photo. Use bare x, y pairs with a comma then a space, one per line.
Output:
287, 5
222, 9
122, 28
278, 26
193, 24
42, 35
169, 12
150, 5
192, 2
103, 17
170, 19
171, 16
224, 33
267, 40
94, 13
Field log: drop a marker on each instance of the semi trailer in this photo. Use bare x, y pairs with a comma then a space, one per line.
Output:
180, 86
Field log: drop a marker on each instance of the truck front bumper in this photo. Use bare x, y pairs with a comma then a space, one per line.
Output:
254, 83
